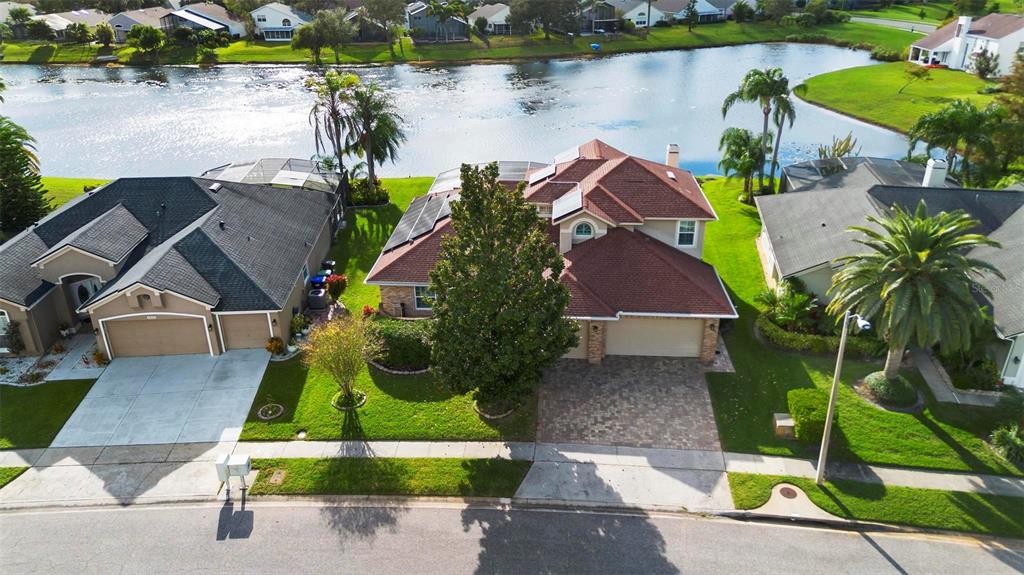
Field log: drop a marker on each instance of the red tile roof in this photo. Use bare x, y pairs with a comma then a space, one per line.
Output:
412, 262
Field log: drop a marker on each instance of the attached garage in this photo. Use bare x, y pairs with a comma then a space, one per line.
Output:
244, 331
654, 336
156, 335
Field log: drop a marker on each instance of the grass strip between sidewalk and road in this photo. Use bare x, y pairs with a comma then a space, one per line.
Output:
390, 476
32, 416
9, 474
915, 507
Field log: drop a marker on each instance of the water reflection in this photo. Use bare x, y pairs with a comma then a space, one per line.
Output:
184, 120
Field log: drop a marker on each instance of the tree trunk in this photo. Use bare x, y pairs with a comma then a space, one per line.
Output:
370, 172
775, 158
339, 150
764, 149
967, 165
893, 359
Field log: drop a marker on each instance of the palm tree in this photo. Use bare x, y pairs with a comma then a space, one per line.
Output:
442, 12
374, 127
742, 153
21, 191
327, 116
957, 124
763, 87
784, 110
917, 279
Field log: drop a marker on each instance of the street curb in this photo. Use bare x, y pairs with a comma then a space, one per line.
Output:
840, 523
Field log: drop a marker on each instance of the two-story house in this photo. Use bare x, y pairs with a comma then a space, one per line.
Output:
631, 232
277, 22
957, 44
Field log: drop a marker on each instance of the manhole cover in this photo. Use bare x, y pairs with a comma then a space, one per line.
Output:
788, 492
278, 477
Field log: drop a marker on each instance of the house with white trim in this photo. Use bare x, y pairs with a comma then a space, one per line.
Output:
958, 44
496, 15
277, 22
123, 22
204, 16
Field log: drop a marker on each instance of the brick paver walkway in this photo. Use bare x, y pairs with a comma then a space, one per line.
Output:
627, 401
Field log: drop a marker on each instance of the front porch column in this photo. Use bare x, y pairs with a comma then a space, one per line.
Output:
595, 341
709, 341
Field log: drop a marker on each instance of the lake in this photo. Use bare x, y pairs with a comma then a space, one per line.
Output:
110, 122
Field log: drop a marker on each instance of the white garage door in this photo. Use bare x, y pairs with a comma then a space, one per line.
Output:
672, 337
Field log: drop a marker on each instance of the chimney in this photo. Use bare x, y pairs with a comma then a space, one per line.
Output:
672, 155
963, 26
935, 174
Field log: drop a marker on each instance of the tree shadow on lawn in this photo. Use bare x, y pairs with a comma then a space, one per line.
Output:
421, 388
42, 54
365, 233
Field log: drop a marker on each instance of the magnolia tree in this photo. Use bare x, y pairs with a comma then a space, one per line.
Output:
341, 348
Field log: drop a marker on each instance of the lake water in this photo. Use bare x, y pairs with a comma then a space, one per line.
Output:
110, 122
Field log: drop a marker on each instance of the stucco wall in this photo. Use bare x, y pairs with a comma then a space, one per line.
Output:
297, 297
74, 262
817, 281
565, 229
667, 231
16, 314
120, 305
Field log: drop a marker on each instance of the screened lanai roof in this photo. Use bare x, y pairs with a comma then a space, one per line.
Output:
290, 172
507, 172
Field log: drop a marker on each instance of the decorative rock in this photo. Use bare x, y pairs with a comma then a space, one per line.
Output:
784, 426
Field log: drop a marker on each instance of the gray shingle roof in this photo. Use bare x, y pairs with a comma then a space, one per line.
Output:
110, 236
854, 172
19, 282
1007, 295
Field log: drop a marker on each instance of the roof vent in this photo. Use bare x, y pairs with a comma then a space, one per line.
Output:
215, 187
671, 175
221, 224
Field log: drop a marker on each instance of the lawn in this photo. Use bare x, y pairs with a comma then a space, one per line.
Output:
941, 437
928, 508
499, 48
934, 12
32, 416
383, 476
871, 93
9, 474
61, 190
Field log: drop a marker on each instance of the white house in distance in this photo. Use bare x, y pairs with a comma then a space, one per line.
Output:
957, 44
662, 10
277, 22
204, 16
496, 15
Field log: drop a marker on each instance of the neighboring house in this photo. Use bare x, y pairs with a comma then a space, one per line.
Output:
707, 10
957, 44
367, 29
496, 16
631, 232
280, 172
122, 22
164, 266
5, 9
805, 230
61, 20
598, 18
204, 16
423, 25
277, 22
636, 12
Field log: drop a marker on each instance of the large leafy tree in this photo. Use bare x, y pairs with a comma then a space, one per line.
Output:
77, 33
959, 124
915, 280
374, 126
742, 153
1009, 136
309, 37
333, 92
146, 38
390, 14
337, 29
22, 199
551, 14
765, 88
104, 34
499, 303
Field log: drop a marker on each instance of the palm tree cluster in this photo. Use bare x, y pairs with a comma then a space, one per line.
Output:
959, 126
769, 89
445, 11
22, 199
349, 117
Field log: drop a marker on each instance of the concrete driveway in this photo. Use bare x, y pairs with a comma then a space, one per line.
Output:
168, 399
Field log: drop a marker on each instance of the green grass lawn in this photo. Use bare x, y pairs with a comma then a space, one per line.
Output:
32, 416
870, 93
61, 190
500, 48
9, 474
928, 508
942, 437
382, 476
935, 12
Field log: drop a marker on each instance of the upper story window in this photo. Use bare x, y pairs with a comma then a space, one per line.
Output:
286, 22
4, 322
261, 18
424, 297
687, 233
583, 231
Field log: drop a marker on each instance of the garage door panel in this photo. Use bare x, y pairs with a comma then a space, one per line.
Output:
669, 337
247, 331
158, 336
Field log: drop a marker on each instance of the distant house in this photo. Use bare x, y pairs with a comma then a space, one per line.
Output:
707, 10
122, 22
804, 231
957, 44
205, 16
422, 24
599, 17
367, 29
61, 20
496, 16
5, 9
277, 22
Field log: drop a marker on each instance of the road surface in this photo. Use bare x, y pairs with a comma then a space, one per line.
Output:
899, 24
309, 537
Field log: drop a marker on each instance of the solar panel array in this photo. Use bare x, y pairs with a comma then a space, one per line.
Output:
541, 174
421, 217
568, 155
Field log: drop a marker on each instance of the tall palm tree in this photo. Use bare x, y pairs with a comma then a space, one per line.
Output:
742, 153
442, 11
762, 87
22, 199
374, 127
784, 111
955, 125
327, 116
916, 279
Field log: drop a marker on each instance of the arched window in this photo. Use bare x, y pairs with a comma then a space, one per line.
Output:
583, 231
286, 22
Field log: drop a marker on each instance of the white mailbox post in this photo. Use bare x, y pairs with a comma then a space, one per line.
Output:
235, 465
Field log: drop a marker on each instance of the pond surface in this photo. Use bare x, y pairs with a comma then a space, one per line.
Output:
110, 122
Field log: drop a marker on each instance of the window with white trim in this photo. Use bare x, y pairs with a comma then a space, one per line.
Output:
286, 22
261, 18
4, 322
305, 272
583, 231
424, 297
687, 236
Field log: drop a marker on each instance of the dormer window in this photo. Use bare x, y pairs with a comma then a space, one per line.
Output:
687, 236
583, 231
286, 22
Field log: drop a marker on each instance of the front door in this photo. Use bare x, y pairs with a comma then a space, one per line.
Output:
82, 290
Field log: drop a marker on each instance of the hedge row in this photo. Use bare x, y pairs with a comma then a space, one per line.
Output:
863, 347
405, 343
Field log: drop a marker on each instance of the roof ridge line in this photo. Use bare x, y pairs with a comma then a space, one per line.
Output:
645, 239
619, 202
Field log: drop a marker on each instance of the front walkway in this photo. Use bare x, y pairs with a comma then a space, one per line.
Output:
942, 388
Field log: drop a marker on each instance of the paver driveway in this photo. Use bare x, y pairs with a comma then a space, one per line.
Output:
628, 401
169, 399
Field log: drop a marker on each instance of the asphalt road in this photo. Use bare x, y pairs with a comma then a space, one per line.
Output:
899, 24
308, 537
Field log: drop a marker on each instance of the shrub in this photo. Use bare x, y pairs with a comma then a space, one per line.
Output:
15, 345
856, 346
405, 344
363, 194
100, 358
298, 322
662, 24
1009, 441
809, 408
336, 283
892, 392
275, 346
206, 55
885, 54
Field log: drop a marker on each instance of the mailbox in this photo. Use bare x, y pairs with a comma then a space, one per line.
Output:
239, 465
222, 467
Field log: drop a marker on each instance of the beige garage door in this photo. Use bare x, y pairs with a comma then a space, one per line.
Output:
245, 331
158, 336
673, 337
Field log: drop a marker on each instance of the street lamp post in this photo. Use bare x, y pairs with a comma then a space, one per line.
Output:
826, 437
